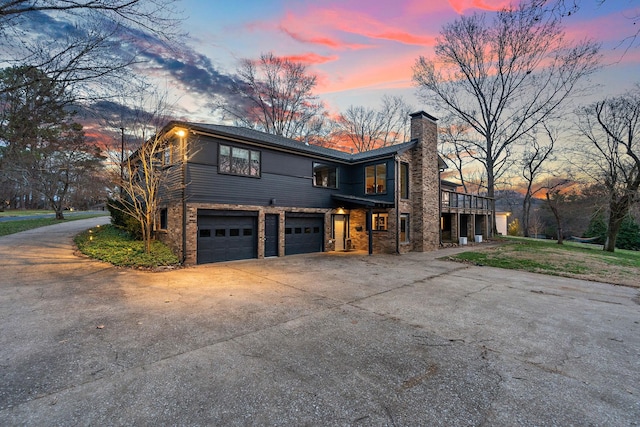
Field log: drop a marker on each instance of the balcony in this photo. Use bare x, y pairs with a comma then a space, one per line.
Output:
452, 202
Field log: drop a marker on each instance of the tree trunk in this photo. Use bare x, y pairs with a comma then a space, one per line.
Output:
526, 208
491, 194
615, 220
618, 210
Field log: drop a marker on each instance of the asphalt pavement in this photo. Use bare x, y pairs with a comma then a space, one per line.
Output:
320, 339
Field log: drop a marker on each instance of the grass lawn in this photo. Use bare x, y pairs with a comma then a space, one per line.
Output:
28, 212
10, 227
110, 244
577, 260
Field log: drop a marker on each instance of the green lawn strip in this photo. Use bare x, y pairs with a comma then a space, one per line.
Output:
10, 227
25, 212
115, 246
525, 254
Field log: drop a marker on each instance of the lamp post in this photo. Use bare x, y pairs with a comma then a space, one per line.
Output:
121, 158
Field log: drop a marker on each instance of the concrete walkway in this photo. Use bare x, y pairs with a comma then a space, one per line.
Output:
323, 339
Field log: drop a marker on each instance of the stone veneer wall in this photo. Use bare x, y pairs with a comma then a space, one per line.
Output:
406, 206
172, 236
425, 184
192, 225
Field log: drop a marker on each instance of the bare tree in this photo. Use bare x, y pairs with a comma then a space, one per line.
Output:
503, 78
556, 198
535, 155
612, 128
146, 168
76, 42
452, 147
277, 98
366, 128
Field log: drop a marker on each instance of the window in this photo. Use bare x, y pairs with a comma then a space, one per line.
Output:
404, 228
163, 218
380, 221
167, 156
238, 161
376, 179
404, 180
205, 232
325, 176
445, 198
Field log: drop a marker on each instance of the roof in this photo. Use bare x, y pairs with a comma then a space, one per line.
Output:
276, 141
362, 201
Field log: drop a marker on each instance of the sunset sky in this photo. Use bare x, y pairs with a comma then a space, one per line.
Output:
360, 50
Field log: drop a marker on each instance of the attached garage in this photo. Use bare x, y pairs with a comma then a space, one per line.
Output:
227, 235
303, 234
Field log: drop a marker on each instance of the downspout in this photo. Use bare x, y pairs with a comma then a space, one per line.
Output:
397, 202
370, 230
183, 145
440, 205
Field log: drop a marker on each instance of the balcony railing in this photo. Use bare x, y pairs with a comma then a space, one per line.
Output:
462, 201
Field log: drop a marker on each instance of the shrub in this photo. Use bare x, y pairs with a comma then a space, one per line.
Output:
123, 220
514, 228
629, 235
597, 228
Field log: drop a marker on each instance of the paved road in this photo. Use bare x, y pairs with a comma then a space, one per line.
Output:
320, 339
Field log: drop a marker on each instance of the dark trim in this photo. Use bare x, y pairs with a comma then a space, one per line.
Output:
362, 201
303, 215
221, 212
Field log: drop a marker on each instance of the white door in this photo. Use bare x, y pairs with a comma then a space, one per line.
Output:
338, 231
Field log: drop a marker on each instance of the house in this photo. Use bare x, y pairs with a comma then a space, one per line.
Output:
502, 219
236, 193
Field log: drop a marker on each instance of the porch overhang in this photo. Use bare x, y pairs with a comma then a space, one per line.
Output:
361, 201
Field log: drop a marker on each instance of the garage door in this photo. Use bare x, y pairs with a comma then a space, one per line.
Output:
227, 236
303, 235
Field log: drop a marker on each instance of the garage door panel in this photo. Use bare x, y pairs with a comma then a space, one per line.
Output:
303, 235
226, 238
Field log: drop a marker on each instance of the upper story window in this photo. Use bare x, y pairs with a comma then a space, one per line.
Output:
376, 179
166, 160
404, 180
239, 161
325, 175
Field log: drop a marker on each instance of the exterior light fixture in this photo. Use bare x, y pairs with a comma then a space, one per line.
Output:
181, 133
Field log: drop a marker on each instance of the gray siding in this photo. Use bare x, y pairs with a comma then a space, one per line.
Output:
285, 177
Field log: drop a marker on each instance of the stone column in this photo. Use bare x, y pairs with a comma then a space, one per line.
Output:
425, 183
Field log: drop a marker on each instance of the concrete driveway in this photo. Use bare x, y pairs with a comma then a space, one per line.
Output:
323, 339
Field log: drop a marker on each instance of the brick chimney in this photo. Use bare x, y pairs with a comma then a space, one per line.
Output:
425, 183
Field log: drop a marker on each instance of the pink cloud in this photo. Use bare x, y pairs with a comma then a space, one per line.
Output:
310, 58
460, 6
333, 43
329, 27
377, 74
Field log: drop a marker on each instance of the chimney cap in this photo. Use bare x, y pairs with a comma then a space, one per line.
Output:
420, 114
